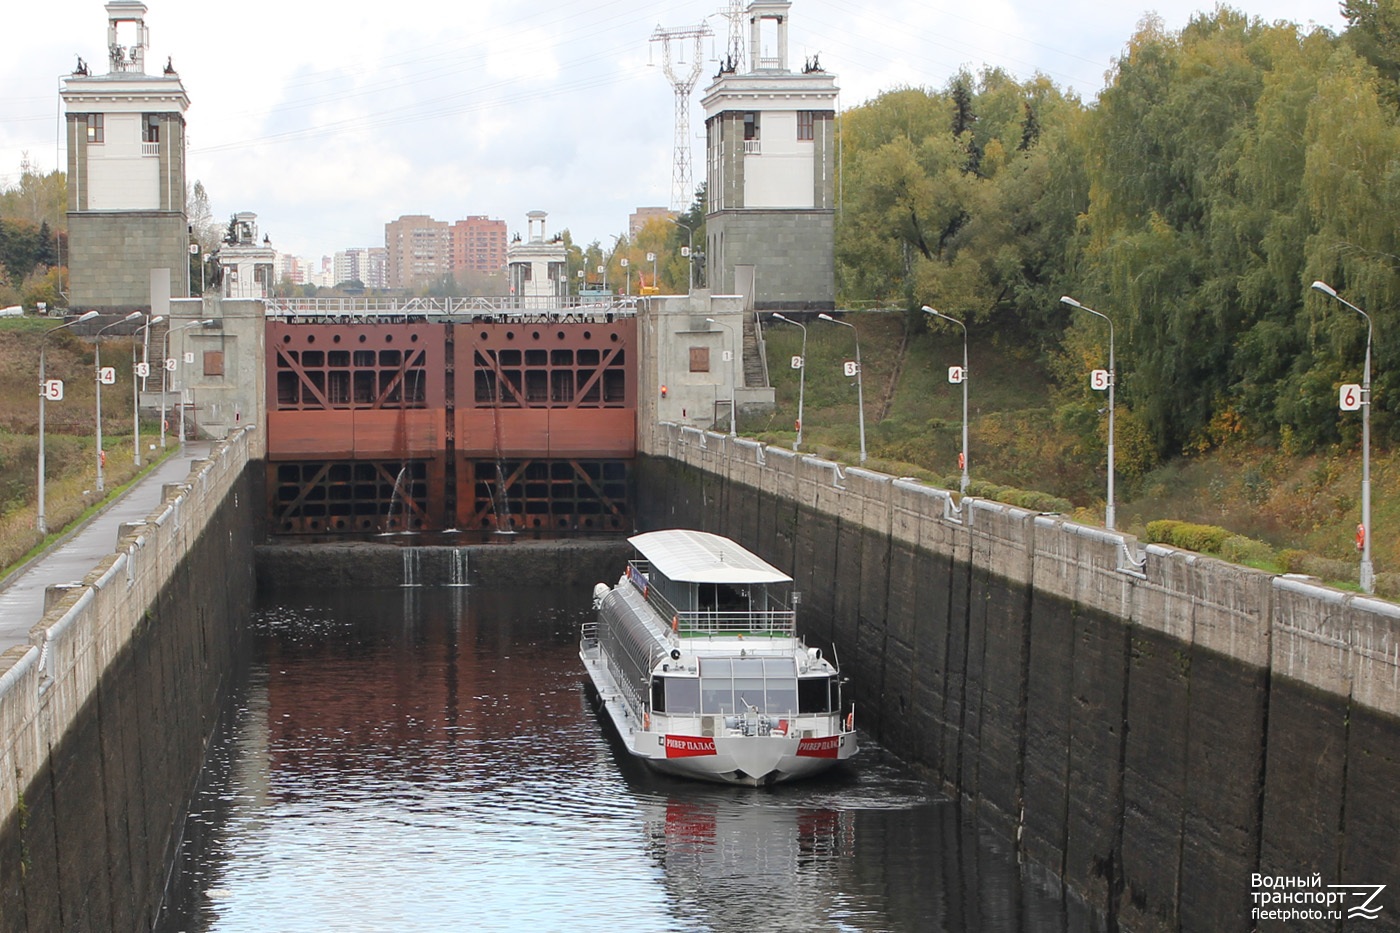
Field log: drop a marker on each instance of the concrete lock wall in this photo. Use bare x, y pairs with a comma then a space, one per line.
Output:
104, 716
1152, 728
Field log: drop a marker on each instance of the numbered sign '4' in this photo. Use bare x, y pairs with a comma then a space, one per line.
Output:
1350, 397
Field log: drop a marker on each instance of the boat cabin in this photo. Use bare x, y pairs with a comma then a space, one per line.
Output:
707, 584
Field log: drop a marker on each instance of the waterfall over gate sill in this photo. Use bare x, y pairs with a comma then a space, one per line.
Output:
493, 560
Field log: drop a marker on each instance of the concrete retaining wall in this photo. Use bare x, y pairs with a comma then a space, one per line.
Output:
105, 714
1150, 726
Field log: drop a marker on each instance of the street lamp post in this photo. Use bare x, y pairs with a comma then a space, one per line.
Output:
42, 523
628, 273
1368, 575
734, 379
963, 456
860, 388
801, 376
97, 353
169, 365
1112, 379
136, 382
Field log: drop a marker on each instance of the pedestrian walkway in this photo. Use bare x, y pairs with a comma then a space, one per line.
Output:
68, 561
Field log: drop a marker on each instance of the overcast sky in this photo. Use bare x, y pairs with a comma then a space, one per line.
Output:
328, 119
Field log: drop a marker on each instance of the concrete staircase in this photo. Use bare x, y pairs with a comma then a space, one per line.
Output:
755, 366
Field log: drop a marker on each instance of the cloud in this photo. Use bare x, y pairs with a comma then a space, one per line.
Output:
330, 119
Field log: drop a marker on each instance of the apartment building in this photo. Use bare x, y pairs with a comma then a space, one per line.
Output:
479, 245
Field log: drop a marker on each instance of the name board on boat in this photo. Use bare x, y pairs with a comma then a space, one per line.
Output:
825, 747
688, 746
638, 580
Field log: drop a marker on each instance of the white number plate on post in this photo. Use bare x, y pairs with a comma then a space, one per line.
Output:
1350, 397
1098, 380
955, 374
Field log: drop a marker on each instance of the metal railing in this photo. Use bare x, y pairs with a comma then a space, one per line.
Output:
505, 308
774, 619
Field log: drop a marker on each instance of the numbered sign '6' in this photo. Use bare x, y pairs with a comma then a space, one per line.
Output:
52, 390
956, 374
107, 375
1350, 397
1098, 380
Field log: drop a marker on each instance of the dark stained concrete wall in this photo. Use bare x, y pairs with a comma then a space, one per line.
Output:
1149, 726
105, 717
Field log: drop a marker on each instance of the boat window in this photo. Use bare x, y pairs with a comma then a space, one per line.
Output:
814, 695
716, 695
721, 597
658, 694
682, 694
733, 685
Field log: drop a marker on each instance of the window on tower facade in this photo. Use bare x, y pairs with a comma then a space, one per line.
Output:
804, 124
94, 127
150, 128
750, 125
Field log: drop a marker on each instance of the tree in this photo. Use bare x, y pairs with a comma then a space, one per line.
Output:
1375, 35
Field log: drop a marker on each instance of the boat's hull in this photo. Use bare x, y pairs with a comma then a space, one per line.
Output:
752, 760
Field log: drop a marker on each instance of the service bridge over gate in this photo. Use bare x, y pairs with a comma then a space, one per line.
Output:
461, 414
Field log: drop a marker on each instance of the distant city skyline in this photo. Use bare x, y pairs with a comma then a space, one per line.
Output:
333, 119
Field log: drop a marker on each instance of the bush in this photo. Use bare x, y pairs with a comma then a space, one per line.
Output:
1241, 550
1021, 498
1203, 539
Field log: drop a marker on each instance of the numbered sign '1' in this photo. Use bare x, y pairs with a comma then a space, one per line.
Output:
955, 374
851, 368
1098, 380
107, 375
1350, 397
52, 389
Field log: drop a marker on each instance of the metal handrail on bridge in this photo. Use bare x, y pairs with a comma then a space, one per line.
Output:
506, 309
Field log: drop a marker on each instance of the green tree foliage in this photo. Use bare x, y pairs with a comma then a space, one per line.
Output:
1375, 36
1222, 170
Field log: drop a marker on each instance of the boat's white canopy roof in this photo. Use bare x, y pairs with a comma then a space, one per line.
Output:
688, 556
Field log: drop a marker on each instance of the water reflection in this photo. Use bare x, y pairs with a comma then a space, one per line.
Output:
429, 760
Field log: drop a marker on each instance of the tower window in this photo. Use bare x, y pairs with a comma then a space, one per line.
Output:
805, 123
150, 128
750, 125
94, 128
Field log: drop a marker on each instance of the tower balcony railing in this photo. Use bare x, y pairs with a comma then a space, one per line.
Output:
753, 147
150, 150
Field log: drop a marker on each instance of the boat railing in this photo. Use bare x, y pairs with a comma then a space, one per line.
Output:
774, 619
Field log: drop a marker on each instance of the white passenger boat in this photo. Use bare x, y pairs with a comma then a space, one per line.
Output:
696, 660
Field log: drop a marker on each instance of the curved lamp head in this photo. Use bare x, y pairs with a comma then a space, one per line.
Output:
86, 316
1326, 289
826, 317
1067, 300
